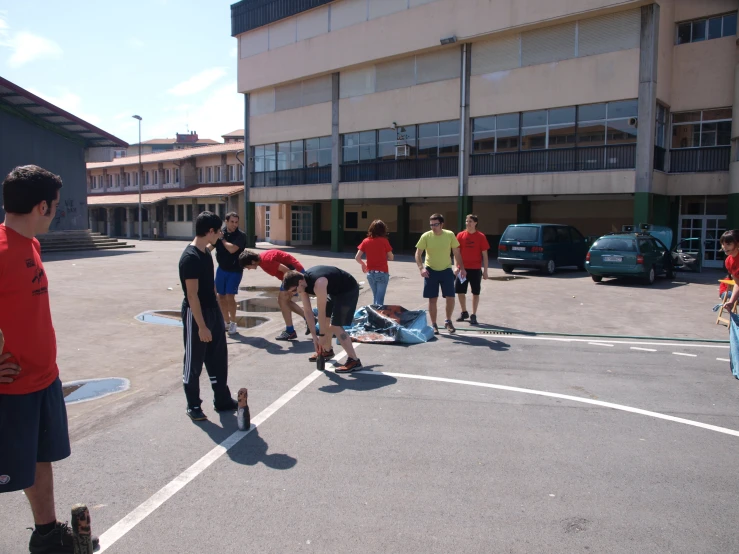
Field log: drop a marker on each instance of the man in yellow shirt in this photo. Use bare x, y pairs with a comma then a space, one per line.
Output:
439, 245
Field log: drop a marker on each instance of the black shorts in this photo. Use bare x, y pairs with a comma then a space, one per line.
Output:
33, 428
341, 307
474, 278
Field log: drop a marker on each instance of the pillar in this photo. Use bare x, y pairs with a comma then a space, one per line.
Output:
643, 197
402, 242
732, 219
464, 201
337, 205
464, 207
249, 208
109, 221
129, 222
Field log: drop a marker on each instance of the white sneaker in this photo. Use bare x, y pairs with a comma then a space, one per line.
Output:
232, 328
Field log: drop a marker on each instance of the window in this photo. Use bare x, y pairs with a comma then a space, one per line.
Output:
212, 208
548, 129
352, 221
429, 140
359, 147
222, 211
318, 152
147, 178
209, 172
128, 179
180, 212
218, 174
155, 176
177, 175
706, 29
600, 124
661, 126
297, 154
118, 180
563, 235
701, 129
549, 235
200, 175
188, 212
231, 173
167, 176
170, 213
201, 208
240, 172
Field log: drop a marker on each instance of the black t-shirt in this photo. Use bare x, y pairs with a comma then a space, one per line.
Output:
195, 264
339, 281
226, 260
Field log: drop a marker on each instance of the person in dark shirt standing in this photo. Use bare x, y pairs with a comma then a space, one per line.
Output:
204, 330
229, 272
337, 293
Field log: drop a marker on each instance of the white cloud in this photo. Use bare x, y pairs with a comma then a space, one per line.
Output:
136, 43
26, 47
68, 101
199, 82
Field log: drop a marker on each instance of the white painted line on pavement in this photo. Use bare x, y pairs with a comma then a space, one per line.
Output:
561, 339
684, 354
145, 509
723, 359
611, 405
600, 344
644, 349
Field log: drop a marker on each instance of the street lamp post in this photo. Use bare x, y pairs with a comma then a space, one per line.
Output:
141, 175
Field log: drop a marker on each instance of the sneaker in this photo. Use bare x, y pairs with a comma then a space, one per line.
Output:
327, 355
473, 319
350, 365
435, 328
233, 328
307, 329
57, 542
449, 327
463, 316
230, 406
287, 336
196, 414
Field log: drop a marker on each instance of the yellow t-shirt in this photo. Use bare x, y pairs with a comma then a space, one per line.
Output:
438, 249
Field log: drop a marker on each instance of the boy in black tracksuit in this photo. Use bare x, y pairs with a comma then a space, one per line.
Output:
204, 331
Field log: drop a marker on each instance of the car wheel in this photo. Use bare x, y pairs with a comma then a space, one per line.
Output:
507, 269
597, 278
649, 277
550, 267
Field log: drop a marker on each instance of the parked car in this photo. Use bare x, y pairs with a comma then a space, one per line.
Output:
629, 255
687, 255
543, 246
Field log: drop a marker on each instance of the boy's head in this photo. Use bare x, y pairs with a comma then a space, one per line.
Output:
293, 282
32, 192
208, 225
249, 260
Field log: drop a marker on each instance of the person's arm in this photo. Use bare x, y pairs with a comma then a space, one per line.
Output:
197, 313
484, 264
729, 305
390, 255
283, 269
419, 263
460, 264
232, 248
310, 319
8, 370
358, 257
321, 290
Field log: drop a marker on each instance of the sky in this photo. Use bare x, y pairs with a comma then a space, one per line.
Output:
173, 62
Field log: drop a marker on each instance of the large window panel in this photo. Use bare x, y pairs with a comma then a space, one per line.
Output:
620, 132
591, 112
625, 109
562, 136
428, 147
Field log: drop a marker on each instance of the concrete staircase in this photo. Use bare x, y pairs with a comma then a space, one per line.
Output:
70, 241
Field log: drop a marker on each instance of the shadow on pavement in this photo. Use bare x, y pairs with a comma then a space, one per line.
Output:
360, 382
83, 254
498, 346
660, 283
290, 347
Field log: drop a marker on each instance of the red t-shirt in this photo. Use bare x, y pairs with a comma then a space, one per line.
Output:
376, 250
25, 316
472, 245
732, 265
271, 259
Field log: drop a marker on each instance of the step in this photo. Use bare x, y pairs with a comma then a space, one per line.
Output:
80, 248
86, 240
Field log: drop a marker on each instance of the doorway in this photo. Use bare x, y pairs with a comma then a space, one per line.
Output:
301, 225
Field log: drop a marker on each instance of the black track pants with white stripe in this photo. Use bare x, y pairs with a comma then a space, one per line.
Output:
214, 354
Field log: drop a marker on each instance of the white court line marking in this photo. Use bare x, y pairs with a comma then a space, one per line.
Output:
600, 344
644, 349
145, 509
684, 354
611, 405
723, 359
560, 339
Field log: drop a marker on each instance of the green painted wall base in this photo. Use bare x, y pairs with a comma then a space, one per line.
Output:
400, 241
464, 207
642, 207
732, 215
251, 232
523, 211
337, 225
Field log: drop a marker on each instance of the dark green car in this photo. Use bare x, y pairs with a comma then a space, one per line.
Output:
637, 255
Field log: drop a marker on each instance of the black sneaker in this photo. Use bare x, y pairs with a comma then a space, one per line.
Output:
463, 316
287, 336
230, 406
449, 327
196, 414
59, 541
473, 319
435, 328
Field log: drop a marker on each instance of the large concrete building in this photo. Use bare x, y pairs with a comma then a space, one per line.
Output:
597, 113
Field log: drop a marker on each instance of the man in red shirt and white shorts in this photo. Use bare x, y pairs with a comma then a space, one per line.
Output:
474, 246
276, 263
33, 417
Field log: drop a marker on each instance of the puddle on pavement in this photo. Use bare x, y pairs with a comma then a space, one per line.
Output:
258, 305
265, 290
172, 318
507, 278
90, 389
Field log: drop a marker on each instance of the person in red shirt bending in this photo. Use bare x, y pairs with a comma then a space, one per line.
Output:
276, 263
33, 418
474, 247
379, 252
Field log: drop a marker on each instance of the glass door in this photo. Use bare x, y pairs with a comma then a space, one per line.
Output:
706, 232
301, 225
266, 224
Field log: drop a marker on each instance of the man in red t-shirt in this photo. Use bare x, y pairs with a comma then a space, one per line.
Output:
33, 418
276, 263
474, 247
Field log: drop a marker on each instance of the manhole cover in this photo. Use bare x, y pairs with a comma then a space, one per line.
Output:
507, 278
91, 389
172, 318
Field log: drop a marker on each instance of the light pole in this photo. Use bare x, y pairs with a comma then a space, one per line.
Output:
141, 175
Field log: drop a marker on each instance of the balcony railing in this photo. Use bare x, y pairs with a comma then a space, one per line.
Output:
250, 14
592, 158
700, 160
292, 177
659, 158
390, 170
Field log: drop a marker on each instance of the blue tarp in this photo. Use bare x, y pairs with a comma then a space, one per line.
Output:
389, 324
734, 344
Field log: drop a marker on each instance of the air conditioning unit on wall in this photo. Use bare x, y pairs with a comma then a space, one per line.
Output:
401, 151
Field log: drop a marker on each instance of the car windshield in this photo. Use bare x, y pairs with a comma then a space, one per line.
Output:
613, 243
521, 234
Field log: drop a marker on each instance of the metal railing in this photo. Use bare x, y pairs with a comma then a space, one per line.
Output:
250, 14
391, 170
292, 177
659, 158
700, 160
591, 158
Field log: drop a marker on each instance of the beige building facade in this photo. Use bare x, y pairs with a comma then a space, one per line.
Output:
598, 113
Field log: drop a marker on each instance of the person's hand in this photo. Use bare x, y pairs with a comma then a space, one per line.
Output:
8, 370
364, 268
456, 271
485, 274
729, 306
424, 273
205, 335
462, 274
316, 344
